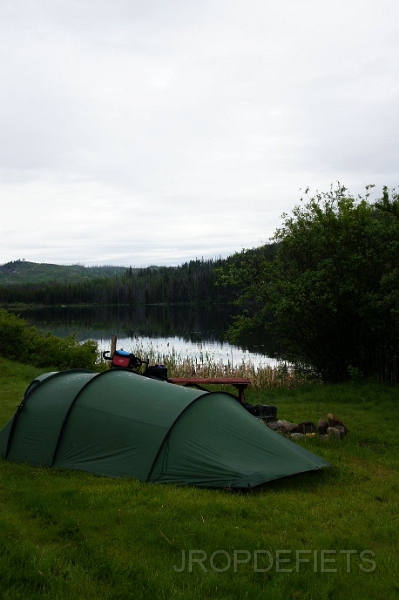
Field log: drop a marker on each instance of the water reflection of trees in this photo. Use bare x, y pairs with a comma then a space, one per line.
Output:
192, 324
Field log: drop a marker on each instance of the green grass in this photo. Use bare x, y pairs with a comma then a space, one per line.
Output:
72, 535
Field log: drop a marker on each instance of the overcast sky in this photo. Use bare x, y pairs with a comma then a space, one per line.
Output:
139, 132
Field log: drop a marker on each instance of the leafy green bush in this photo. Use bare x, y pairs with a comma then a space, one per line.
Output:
19, 341
330, 295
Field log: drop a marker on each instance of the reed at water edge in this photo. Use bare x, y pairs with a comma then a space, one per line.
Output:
205, 364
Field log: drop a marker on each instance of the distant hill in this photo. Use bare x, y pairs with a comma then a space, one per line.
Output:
23, 271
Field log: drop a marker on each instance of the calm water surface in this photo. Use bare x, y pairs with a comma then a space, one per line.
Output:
189, 332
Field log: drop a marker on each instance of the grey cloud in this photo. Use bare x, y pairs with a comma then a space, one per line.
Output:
153, 121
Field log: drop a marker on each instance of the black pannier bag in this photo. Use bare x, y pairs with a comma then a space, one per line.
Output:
265, 412
156, 372
262, 411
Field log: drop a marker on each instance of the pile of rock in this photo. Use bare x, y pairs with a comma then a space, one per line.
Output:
333, 427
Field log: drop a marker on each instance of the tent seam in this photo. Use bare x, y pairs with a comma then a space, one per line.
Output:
22, 404
65, 419
167, 435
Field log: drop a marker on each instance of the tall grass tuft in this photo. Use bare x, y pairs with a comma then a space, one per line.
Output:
205, 364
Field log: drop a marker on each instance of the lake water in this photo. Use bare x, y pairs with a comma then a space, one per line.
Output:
191, 332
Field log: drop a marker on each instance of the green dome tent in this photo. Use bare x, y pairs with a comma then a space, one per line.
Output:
122, 424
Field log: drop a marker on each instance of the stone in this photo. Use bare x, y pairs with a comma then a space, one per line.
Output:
333, 421
342, 429
279, 425
297, 436
333, 432
322, 427
306, 427
291, 428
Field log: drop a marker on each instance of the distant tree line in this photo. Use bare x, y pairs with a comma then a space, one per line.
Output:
22, 271
194, 282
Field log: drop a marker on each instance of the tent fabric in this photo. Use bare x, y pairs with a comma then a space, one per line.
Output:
122, 424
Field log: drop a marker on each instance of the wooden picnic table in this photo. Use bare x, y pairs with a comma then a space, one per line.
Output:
240, 384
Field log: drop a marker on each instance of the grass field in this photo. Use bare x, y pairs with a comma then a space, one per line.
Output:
330, 534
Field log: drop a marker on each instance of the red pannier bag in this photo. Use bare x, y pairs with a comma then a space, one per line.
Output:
121, 359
